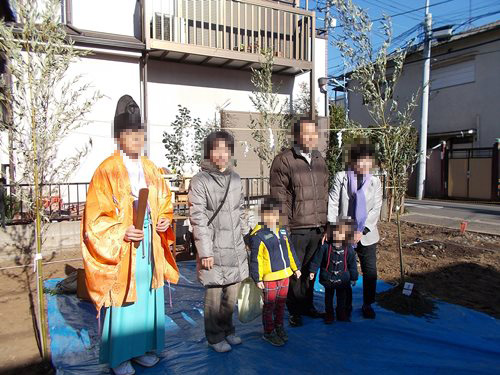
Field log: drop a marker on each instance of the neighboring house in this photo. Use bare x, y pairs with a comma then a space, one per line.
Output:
463, 112
194, 53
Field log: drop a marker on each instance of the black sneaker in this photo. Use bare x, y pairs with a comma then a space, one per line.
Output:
368, 312
273, 339
280, 331
295, 320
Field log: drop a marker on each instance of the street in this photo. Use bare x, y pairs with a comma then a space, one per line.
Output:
481, 218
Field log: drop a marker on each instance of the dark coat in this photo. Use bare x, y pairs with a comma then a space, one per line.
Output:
301, 187
337, 265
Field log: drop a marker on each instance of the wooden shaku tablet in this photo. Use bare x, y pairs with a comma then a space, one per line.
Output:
141, 211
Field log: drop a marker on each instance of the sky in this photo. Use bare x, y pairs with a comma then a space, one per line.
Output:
464, 14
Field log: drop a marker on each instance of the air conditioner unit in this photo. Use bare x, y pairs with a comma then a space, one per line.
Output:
173, 28
158, 26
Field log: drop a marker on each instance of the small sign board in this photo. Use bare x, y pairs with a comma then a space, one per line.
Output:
408, 289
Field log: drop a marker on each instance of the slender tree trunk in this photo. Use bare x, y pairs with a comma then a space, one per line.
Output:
401, 264
38, 231
391, 207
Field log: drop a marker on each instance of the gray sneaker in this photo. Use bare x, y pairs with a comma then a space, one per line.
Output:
221, 347
280, 331
273, 339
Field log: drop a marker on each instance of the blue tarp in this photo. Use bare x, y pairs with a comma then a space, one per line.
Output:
457, 341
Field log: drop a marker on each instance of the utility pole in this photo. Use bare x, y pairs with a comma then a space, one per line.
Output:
422, 144
327, 31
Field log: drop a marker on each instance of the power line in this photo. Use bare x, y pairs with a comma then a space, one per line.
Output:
403, 13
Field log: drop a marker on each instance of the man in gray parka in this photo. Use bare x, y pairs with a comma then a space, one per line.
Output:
216, 209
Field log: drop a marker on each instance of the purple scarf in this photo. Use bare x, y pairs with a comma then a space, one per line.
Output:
357, 199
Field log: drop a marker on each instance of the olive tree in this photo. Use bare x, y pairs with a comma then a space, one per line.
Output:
374, 75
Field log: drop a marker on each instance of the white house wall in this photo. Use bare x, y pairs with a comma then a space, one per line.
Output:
113, 76
200, 89
109, 16
321, 70
471, 105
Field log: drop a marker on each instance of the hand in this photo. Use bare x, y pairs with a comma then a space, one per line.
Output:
311, 276
297, 274
162, 225
133, 235
207, 263
323, 239
260, 285
353, 283
357, 236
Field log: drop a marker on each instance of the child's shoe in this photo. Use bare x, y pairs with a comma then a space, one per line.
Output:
273, 339
221, 347
233, 339
280, 331
329, 318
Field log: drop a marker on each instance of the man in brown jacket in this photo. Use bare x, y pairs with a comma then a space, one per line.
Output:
299, 180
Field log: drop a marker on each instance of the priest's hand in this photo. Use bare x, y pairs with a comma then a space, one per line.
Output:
133, 235
162, 225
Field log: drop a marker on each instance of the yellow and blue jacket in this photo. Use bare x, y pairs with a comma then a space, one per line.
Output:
272, 255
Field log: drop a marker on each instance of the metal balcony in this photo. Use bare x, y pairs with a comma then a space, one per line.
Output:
230, 33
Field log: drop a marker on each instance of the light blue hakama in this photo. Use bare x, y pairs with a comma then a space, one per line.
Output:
132, 330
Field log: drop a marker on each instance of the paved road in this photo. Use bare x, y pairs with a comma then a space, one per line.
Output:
483, 218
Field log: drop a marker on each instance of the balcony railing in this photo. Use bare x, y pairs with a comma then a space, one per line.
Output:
230, 33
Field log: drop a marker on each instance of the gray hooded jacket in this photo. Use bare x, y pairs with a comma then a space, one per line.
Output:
223, 238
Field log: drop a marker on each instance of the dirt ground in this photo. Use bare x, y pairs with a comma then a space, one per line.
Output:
461, 269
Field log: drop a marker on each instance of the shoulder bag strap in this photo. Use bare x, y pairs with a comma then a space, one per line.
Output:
221, 203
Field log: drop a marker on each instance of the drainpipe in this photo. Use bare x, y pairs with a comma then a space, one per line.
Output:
144, 99
144, 79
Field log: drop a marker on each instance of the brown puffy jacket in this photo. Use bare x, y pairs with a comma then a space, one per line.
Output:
302, 188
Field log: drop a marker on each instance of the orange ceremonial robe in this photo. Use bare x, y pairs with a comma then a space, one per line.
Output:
109, 261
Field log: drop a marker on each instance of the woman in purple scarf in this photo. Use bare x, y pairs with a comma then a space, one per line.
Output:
358, 194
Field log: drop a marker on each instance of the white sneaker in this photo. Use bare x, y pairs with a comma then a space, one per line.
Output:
233, 339
221, 347
147, 360
124, 369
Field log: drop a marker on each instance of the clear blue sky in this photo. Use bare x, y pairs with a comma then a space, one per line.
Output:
408, 26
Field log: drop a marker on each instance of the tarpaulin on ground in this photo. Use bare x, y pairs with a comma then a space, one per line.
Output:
456, 341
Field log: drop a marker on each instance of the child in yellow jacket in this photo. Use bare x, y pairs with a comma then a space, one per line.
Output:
272, 262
